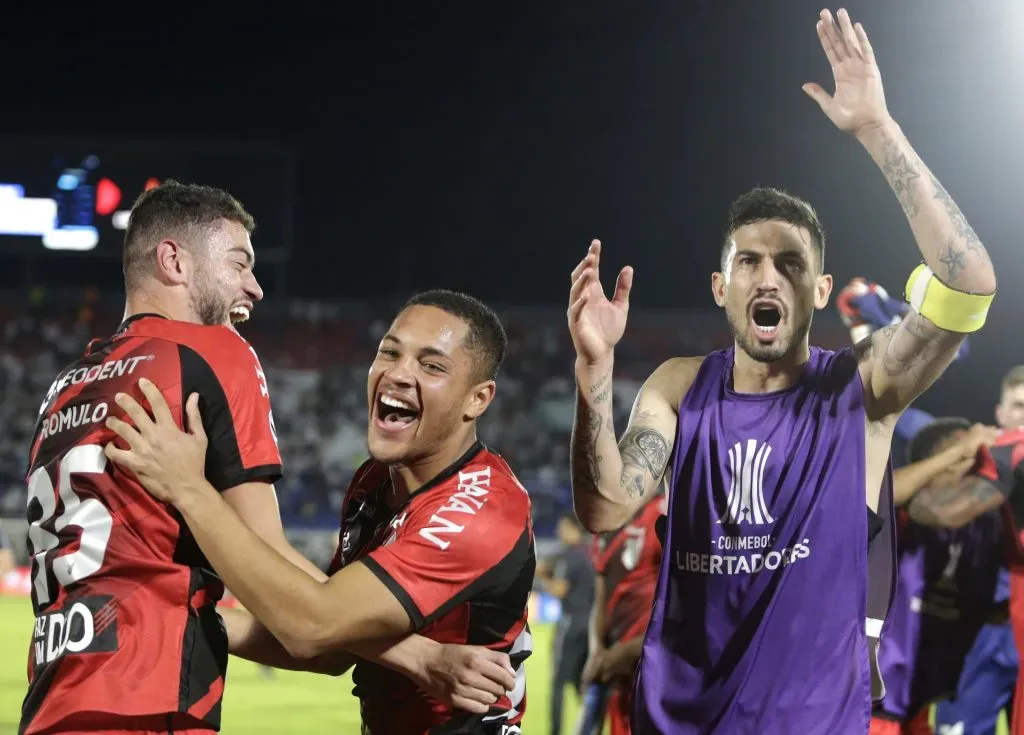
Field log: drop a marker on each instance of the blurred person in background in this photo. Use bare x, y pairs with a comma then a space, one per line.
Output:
761, 430
436, 534
7, 561
569, 577
953, 586
127, 636
627, 563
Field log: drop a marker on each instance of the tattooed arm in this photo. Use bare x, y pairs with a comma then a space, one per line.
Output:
903, 360
611, 480
956, 506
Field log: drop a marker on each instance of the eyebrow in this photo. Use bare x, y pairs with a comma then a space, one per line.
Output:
789, 251
432, 351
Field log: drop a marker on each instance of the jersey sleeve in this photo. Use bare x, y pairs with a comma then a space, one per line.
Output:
1001, 465
451, 551
236, 410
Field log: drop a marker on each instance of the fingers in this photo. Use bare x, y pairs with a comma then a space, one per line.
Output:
623, 284
849, 35
826, 43
865, 44
161, 411
124, 430
816, 93
470, 705
591, 259
121, 457
135, 412
580, 285
500, 674
195, 419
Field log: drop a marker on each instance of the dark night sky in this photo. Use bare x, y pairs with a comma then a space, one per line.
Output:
481, 148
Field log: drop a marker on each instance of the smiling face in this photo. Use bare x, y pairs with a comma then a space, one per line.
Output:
770, 285
223, 289
424, 388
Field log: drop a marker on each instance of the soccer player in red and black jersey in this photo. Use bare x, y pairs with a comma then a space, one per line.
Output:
435, 535
126, 636
997, 479
627, 563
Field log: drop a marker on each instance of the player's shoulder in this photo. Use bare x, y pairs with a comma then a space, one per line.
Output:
484, 473
673, 378
220, 347
1010, 438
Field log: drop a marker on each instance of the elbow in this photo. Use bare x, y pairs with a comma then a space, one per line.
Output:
308, 639
601, 517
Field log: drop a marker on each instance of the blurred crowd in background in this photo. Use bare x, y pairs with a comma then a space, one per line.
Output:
316, 356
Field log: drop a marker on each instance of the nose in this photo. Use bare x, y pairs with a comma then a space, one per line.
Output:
252, 288
768, 276
399, 373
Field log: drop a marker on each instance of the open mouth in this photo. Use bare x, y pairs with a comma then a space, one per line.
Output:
239, 314
767, 319
395, 414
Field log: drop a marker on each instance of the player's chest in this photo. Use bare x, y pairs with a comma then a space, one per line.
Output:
367, 524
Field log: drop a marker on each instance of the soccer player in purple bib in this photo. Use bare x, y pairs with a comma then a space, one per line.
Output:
764, 610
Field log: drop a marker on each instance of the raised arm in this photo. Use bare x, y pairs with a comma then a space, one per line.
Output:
611, 480
950, 297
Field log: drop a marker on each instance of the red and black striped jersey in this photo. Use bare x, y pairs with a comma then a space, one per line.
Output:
1002, 464
459, 556
126, 628
629, 560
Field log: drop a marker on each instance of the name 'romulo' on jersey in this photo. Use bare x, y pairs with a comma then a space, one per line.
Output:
126, 634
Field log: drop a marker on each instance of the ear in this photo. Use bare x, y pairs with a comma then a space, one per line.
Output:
480, 398
999, 414
822, 290
718, 286
172, 262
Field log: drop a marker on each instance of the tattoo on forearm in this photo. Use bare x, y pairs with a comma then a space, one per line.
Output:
585, 462
601, 390
954, 505
964, 232
643, 451
900, 171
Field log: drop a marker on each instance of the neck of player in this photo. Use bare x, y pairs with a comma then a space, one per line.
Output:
753, 376
408, 477
144, 302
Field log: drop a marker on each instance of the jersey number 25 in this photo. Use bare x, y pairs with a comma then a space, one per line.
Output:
89, 515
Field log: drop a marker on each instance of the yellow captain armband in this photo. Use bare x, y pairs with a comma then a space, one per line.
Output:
954, 311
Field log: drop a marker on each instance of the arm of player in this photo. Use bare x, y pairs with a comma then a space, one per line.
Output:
956, 506
902, 360
621, 659
352, 610
249, 639
596, 644
611, 480
912, 478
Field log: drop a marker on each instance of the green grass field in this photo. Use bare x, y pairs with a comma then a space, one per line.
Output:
290, 702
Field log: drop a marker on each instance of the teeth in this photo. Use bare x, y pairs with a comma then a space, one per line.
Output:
395, 403
766, 330
239, 314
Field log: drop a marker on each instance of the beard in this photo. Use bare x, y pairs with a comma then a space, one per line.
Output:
773, 352
207, 304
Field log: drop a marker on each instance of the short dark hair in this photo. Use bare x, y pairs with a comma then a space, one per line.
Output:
766, 203
486, 337
927, 440
170, 210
